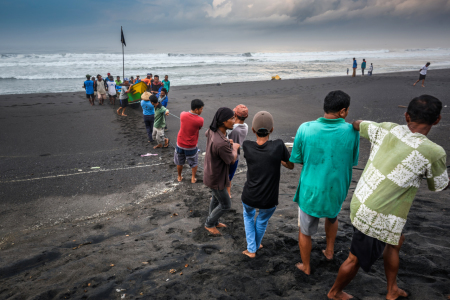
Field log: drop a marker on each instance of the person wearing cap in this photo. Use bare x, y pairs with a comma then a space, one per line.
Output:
123, 98
186, 149
149, 114
88, 85
148, 80
237, 135
111, 87
107, 78
264, 158
101, 90
220, 153
327, 148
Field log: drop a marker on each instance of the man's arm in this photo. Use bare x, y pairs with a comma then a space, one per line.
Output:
235, 148
356, 124
288, 164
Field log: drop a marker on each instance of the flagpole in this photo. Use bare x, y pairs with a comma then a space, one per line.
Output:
123, 59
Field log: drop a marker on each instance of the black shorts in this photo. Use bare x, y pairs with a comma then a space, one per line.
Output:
114, 96
367, 249
89, 96
124, 103
422, 77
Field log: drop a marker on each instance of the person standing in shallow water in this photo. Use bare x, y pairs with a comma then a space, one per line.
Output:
220, 154
264, 158
401, 156
327, 148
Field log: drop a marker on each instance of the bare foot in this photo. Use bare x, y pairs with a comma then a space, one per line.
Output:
179, 178
260, 246
193, 180
124, 115
340, 296
157, 146
213, 231
249, 254
423, 86
221, 225
118, 112
166, 144
396, 294
327, 256
414, 84
302, 268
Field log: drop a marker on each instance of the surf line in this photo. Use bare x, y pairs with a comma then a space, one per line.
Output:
81, 173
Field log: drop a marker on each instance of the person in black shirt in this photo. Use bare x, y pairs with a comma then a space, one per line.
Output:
156, 85
264, 158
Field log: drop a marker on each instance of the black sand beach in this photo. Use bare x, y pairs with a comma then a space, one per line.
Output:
82, 215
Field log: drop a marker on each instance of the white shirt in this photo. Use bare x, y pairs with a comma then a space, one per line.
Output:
111, 87
424, 70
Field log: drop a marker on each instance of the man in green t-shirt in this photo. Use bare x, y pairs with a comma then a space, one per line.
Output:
400, 157
328, 148
160, 123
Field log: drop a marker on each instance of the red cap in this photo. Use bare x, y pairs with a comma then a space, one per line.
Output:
241, 110
109, 74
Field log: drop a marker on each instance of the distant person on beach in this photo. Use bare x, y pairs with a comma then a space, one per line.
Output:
237, 135
422, 74
327, 148
156, 85
111, 86
149, 114
123, 98
95, 85
363, 66
400, 158
264, 158
108, 78
101, 90
370, 69
160, 123
187, 139
166, 83
138, 79
89, 87
164, 100
220, 154
347, 71
355, 65
118, 87
131, 80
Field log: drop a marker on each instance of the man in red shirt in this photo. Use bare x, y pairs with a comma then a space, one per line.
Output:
156, 85
187, 139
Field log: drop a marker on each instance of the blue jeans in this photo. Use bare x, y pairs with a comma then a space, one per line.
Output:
254, 231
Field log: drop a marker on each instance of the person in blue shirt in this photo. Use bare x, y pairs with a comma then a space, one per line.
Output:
149, 114
163, 98
89, 87
355, 65
138, 79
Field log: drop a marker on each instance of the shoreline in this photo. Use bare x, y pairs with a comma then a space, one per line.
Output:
395, 73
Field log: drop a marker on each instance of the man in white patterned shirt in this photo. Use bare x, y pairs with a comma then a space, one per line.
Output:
401, 155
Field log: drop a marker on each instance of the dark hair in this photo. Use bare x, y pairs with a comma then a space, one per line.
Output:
153, 99
164, 90
335, 101
196, 103
166, 75
240, 118
156, 76
262, 132
424, 109
428, 63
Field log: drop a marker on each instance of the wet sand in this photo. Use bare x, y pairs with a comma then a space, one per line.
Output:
129, 228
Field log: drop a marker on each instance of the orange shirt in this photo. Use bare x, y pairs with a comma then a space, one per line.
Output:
146, 80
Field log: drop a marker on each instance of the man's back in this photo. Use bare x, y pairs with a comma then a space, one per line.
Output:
190, 124
89, 86
328, 149
398, 160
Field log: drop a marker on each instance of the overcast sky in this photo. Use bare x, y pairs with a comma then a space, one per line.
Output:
222, 25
